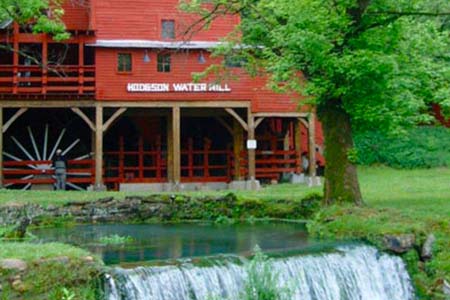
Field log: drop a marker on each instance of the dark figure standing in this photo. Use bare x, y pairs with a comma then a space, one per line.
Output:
60, 165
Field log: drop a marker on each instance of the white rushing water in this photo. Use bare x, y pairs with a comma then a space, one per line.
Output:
353, 273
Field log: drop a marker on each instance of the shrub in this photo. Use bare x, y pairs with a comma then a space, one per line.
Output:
262, 281
421, 147
116, 239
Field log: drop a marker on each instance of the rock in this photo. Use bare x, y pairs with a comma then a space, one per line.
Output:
18, 286
399, 243
106, 200
446, 289
427, 248
13, 264
88, 259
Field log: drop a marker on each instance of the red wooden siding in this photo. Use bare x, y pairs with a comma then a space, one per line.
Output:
141, 19
77, 14
112, 85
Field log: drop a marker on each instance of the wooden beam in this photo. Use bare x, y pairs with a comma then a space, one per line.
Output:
184, 104
44, 64
176, 118
18, 113
298, 144
225, 124
116, 114
312, 146
251, 152
46, 103
304, 122
281, 114
99, 148
83, 116
237, 117
238, 148
259, 121
15, 57
170, 148
61, 103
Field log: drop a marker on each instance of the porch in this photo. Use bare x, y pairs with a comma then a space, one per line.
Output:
175, 146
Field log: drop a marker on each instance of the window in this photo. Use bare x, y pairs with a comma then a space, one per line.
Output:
167, 29
164, 63
124, 62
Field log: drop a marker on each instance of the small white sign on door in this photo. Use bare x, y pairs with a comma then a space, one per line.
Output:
251, 144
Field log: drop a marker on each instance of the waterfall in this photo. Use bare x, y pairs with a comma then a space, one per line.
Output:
350, 273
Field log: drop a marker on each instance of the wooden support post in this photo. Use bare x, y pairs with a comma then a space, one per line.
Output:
238, 148
158, 159
298, 145
83, 116
121, 173
206, 148
287, 144
18, 113
99, 148
93, 158
16, 58
1, 147
236, 116
176, 120
170, 148
312, 146
251, 152
141, 158
80, 66
190, 158
44, 64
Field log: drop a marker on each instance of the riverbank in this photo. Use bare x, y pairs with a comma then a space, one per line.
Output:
415, 202
410, 204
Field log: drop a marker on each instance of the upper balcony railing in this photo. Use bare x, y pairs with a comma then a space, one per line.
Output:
76, 80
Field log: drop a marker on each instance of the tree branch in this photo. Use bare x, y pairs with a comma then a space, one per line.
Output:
410, 13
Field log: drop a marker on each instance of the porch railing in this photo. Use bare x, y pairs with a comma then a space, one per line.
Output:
79, 172
271, 164
35, 80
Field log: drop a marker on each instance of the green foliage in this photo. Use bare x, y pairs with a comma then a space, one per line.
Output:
116, 239
55, 272
399, 201
230, 208
262, 281
421, 147
44, 16
382, 61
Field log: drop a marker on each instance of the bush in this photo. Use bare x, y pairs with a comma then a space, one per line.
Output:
261, 283
421, 147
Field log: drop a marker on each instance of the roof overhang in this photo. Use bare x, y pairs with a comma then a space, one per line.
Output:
148, 44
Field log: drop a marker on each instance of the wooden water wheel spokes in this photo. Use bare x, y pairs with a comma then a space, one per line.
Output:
31, 163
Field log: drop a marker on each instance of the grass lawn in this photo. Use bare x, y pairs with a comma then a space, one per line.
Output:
397, 201
411, 190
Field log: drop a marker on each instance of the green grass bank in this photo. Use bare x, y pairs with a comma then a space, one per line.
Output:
396, 202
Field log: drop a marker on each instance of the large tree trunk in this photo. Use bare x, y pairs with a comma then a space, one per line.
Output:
341, 179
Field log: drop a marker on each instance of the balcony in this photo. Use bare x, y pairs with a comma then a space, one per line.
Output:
32, 81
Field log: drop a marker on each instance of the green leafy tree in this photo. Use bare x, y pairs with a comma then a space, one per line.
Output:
363, 64
40, 16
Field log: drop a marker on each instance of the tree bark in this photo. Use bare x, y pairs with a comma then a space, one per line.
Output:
341, 179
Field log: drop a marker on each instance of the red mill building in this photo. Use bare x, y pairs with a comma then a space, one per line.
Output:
118, 98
